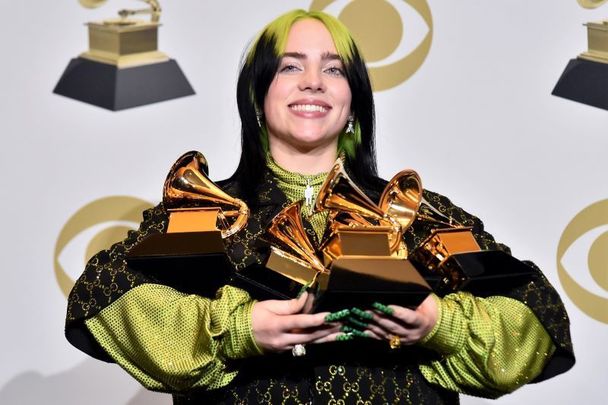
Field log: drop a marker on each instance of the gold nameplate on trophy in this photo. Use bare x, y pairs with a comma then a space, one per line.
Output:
193, 219
370, 241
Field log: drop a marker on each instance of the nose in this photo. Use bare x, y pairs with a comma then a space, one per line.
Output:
312, 80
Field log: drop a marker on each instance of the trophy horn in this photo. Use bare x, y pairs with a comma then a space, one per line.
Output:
91, 3
351, 207
286, 232
188, 183
403, 200
591, 3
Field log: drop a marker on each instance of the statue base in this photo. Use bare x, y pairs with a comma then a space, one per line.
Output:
115, 89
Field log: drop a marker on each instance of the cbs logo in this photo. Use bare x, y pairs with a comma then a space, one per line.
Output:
92, 228
392, 55
586, 233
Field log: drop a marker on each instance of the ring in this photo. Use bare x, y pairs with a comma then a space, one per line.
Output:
394, 342
298, 351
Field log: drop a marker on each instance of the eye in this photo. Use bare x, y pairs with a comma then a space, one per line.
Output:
582, 260
335, 71
289, 68
394, 36
94, 227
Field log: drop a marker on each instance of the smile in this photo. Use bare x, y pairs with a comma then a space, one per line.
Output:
308, 108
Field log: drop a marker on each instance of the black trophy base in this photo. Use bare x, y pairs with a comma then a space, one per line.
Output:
263, 283
190, 262
115, 89
350, 284
584, 81
487, 272
357, 281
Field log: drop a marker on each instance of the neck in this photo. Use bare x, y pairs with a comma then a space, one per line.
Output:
313, 161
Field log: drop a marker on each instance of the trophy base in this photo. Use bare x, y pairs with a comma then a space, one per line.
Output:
190, 262
486, 273
359, 281
263, 283
115, 89
584, 81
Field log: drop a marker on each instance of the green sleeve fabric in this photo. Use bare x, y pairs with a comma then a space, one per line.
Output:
487, 346
170, 341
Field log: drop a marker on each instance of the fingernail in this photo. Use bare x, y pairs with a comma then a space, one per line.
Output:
336, 316
344, 337
382, 308
362, 314
359, 323
346, 329
360, 333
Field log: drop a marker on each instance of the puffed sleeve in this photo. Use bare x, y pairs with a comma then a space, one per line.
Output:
171, 341
491, 344
166, 339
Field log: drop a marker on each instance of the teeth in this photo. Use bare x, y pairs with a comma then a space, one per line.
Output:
308, 108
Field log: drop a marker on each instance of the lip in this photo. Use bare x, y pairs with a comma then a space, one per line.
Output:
310, 114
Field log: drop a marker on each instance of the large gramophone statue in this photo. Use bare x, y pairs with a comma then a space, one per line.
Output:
362, 257
123, 67
201, 215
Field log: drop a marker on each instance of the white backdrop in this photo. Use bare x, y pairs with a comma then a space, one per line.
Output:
477, 122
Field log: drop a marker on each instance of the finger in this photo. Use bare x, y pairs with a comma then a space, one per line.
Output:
389, 325
302, 321
406, 315
292, 339
326, 339
377, 331
288, 307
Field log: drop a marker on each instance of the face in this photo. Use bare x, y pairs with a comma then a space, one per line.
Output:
308, 101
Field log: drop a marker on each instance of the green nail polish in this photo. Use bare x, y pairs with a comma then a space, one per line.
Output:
359, 333
362, 314
358, 323
382, 308
336, 316
346, 329
344, 337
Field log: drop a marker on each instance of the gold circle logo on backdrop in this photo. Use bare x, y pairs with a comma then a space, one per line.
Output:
590, 218
108, 210
378, 28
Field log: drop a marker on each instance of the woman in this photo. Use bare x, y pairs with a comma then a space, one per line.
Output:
304, 98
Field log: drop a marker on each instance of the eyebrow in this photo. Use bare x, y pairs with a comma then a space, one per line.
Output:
325, 56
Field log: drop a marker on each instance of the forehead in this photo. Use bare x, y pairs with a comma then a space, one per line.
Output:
309, 36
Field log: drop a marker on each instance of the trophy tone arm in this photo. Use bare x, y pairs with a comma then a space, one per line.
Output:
154, 11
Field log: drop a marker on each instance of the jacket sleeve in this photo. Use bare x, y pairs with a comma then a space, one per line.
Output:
490, 345
167, 339
487, 346
171, 341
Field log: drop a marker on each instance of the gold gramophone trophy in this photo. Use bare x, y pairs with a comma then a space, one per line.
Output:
360, 260
292, 262
585, 78
201, 215
123, 67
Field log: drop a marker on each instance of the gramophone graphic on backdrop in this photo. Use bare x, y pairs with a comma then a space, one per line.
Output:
585, 78
123, 67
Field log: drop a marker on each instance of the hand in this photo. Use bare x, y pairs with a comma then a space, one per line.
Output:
279, 325
410, 325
